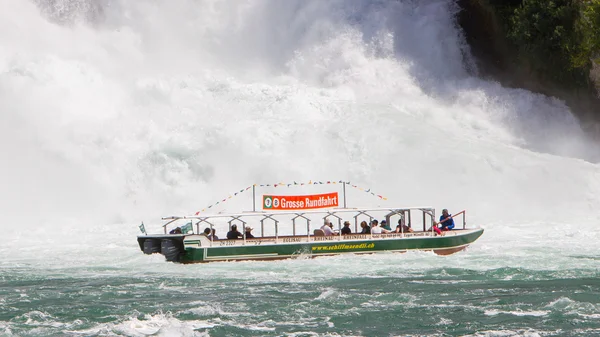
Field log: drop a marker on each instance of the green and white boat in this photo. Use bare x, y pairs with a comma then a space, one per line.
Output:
285, 232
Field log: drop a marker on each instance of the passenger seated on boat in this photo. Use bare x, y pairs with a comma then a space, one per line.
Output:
346, 229
234, 233
446, 221
207, 232
375, 229
176, 231
435, 229
365, 228
385, 225
327, 228
248, 234
402, 227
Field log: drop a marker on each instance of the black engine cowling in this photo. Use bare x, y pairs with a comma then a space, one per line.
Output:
151, 246
170, 249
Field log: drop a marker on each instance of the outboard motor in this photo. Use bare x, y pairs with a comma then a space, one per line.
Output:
170, 249
151, 246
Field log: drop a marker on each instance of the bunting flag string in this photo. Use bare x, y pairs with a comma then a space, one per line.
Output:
310, 182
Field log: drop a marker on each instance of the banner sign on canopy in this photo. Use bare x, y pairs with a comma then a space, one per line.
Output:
289, 184
294, 202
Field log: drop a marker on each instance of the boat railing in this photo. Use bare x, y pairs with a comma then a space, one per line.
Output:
404, 215
464, 215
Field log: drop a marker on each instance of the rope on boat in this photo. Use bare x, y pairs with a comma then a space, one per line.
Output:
310, 182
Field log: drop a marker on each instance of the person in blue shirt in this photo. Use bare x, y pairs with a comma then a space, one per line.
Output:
446, 221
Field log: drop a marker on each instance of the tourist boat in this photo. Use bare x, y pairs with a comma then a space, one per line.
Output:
290, 226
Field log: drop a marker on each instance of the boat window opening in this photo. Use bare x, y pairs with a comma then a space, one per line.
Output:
168, 223
392, 221
234, 219
203, 220
339, 221
300, 215
431, 213
275, 221
357, 221
210, 225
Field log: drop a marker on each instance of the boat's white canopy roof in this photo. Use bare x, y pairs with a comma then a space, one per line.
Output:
329, 211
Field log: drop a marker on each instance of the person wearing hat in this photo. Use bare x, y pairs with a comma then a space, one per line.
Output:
248, 234
234, 233
385, 225
346, 229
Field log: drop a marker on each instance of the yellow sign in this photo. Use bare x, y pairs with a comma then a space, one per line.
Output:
343, 246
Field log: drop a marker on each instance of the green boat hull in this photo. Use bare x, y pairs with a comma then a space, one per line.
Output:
442, 245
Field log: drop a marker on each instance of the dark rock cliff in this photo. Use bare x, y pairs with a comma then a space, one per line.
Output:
486, 24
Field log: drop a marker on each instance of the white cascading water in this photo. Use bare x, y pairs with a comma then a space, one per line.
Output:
126, 111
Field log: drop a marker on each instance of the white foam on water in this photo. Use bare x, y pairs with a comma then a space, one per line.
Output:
569, 306
149, 325
38, 322
326, 295
594, 316
205, 310
535, 313
520, 332
154, 109
444, 321
5, 329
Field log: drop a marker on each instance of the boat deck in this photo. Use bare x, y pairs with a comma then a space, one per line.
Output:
202, 240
